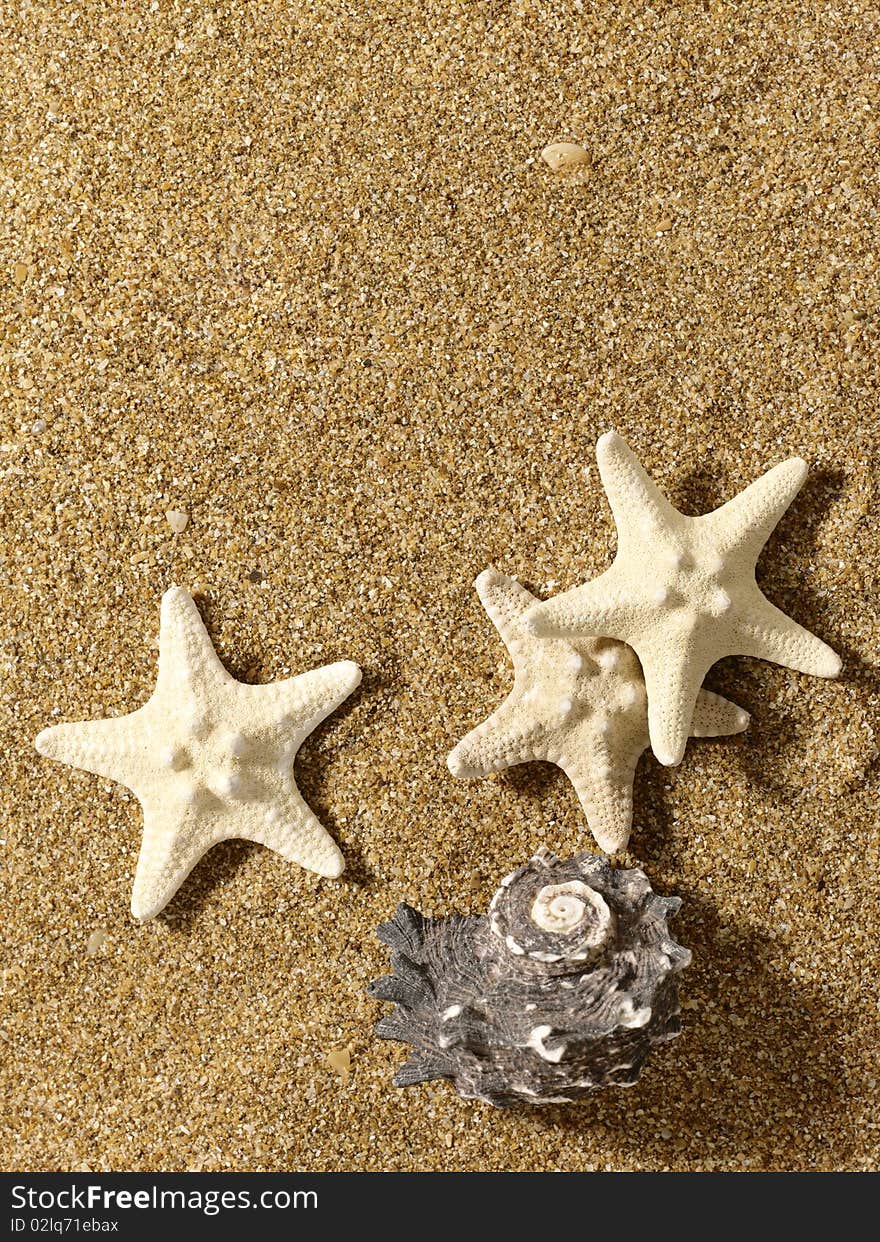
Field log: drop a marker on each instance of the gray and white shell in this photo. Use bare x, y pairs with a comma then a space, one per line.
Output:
562, 989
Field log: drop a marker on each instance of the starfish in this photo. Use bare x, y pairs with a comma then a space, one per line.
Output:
579, 704
209, 758
682, 590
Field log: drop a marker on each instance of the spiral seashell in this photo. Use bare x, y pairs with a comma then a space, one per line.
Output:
561, 989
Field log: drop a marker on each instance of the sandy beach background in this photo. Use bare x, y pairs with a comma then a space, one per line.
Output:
298, 271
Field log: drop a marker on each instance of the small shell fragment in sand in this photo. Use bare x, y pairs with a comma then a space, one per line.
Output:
20, 273
339, 1060
96, 942
562, 155
177, 520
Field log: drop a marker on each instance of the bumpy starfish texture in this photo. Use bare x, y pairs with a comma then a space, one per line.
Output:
209, 758
682, 590
579, 704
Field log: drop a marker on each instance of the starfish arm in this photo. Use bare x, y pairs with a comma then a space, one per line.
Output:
672, 679
186, 653
598, 607
170, 847
173, 842
293, 830
746, 522
715, 716
496, 743
302, 702
505, 601
767, 633
111, 748
606, 796
634, 497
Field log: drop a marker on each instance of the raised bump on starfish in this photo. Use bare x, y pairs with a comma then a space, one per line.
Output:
682, 590
579, 704
209, 758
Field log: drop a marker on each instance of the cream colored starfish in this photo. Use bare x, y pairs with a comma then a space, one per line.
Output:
682, 590
579, 704
209, 758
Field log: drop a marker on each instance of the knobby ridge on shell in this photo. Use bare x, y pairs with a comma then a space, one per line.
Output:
561, 989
